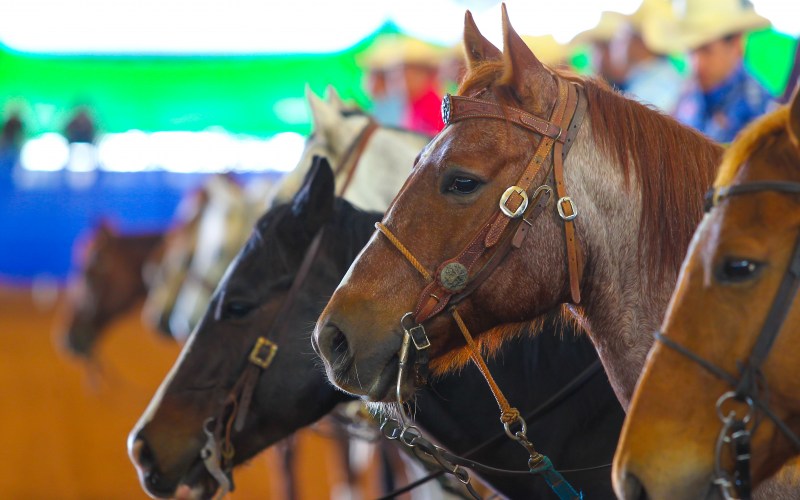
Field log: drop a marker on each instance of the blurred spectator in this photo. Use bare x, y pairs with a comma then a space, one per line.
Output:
639, 52
599, 39
722, 97
406, 70
794, 76
80, 128
549, 51
13, 132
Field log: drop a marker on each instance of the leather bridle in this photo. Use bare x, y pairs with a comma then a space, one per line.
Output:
456, 278
218, 452
749, 384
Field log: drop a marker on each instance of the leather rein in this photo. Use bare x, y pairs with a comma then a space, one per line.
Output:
749, 384
218, 452
520, 204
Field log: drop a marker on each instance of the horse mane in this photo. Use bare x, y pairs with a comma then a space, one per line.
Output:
490, 341
761, 131
673, 164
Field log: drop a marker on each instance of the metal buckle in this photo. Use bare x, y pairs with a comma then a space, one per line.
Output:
416, 332
521, 208
560, 207
264, 361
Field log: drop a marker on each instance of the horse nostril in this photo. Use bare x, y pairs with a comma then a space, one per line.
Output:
332, 342
339, 342
632, 488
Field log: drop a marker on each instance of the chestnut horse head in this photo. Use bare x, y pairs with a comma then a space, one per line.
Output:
108, 284
730, 338
610, 245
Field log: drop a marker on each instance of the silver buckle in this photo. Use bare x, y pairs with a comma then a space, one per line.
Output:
560, 207
521, 208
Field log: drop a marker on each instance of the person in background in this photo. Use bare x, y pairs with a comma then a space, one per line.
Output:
387, 96
599, 40
549, 51
13, 132
639, 51
406, 70
80, 128
721, 96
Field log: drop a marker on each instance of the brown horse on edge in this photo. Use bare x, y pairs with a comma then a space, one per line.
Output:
636, 178
109, 283
729, 283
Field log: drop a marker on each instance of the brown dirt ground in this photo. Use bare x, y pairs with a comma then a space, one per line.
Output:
63, 432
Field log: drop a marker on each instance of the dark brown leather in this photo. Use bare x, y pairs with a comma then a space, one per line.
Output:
462, 108
435, 297
350, 159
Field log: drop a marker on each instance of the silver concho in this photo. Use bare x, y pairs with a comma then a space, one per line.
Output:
454, 276
446, 109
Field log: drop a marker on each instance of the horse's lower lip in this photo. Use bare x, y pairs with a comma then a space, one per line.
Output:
383, 389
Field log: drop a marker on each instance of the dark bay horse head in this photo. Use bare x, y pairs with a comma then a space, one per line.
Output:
491, 222
742, 257
293, 391
290, 394
109, 283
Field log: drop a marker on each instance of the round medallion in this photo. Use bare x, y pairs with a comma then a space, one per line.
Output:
454, 276
446, 109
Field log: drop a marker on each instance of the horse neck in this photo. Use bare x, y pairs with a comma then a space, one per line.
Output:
383, 168
620, 308
140, 248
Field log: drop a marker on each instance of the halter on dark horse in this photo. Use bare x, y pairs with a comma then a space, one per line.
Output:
749, 384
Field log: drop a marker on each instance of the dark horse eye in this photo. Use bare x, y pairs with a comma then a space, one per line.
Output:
236, 309
464, 185
737, 270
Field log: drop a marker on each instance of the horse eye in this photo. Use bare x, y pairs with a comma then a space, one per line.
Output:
236, 309
737, 270
464, 185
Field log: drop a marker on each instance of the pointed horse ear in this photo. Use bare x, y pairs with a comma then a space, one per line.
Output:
333, 97
523, 72
794, 118
323, 114
477, 48
313, 203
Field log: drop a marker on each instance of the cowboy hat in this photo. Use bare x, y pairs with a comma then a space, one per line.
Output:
655, 21
610, 22
391, 50
704, 21
547, 49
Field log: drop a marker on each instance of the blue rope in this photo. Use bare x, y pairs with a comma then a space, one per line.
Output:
556, 481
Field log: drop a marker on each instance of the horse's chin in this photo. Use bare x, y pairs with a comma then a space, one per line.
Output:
384, 388
198, 484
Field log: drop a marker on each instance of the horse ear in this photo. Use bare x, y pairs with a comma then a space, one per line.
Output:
794, 118
477, 48
524, 72
323, 115
313, 203
333, 97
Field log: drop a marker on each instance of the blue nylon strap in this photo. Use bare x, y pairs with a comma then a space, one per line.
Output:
556, 481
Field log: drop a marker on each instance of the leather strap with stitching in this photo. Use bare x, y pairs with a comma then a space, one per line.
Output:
436, 296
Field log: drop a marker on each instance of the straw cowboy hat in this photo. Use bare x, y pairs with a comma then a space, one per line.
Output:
656, 22
391, 50
547, 49
608, 26
704, 21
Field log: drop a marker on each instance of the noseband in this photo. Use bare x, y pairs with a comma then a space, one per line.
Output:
748, 385
456, 278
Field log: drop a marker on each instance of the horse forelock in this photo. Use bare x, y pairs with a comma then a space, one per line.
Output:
761, 131
673, 164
